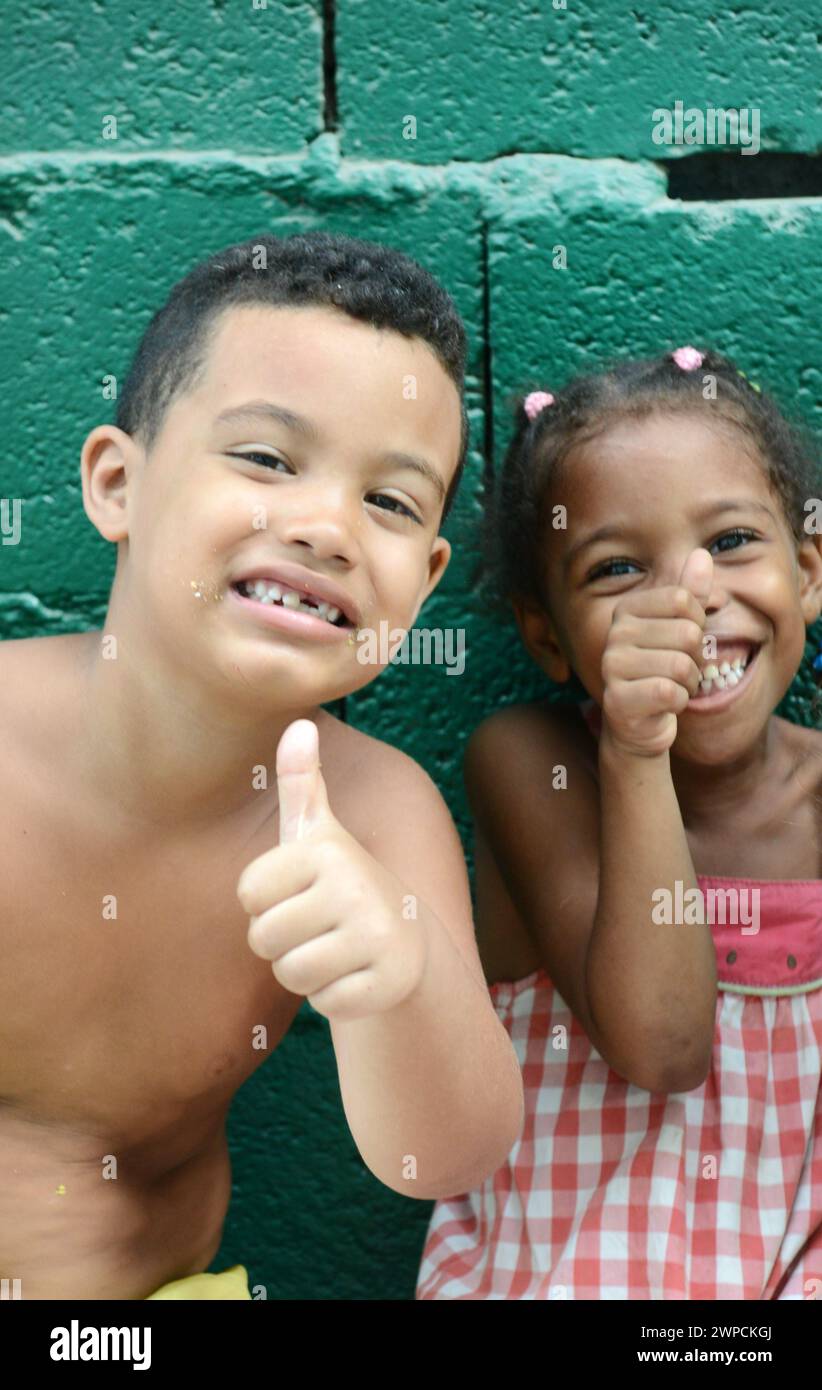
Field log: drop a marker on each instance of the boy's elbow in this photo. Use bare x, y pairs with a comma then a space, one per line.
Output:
475, 1171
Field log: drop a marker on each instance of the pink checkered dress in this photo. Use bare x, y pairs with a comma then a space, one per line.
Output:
613, 1192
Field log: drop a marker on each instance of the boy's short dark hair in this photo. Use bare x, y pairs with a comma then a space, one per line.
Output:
363, 279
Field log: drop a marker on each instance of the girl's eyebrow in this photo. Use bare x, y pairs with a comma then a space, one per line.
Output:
734, 504
605, 533
268, 410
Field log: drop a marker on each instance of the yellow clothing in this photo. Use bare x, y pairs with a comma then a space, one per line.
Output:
228, 1284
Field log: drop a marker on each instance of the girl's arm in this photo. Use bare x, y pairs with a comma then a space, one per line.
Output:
663, 974
644, 994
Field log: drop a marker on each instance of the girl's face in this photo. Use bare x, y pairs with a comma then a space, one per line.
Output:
639, 498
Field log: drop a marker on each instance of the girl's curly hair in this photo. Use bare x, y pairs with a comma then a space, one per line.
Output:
515, 534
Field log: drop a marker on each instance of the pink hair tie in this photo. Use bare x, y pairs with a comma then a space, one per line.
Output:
536, 402
688, 358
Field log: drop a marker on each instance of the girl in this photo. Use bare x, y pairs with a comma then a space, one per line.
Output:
649, 872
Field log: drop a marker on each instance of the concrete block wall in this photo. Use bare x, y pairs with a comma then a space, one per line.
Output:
533, 127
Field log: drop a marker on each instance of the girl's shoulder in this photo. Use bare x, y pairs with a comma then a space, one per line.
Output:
526, 741
543, 719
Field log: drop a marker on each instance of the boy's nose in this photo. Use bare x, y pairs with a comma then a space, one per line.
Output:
323, 528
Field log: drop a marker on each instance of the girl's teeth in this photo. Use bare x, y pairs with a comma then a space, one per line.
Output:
721, 677
332, 615
290, 600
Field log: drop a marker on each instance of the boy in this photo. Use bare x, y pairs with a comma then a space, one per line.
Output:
169, 900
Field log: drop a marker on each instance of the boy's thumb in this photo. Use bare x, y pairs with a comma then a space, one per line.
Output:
698, 575
302, 795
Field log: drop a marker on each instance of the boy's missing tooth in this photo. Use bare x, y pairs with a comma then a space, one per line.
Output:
288, 440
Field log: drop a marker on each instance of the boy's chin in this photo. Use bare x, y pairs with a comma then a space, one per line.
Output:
282, 685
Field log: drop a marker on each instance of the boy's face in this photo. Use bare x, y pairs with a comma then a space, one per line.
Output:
320, 497
657, 489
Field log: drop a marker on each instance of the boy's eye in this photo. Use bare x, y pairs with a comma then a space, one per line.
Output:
735, 538
379, 498
611, 568
267, 460
394, 505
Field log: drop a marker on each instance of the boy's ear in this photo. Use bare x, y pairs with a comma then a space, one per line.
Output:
540, 638
437, 565
108, 458
810, 578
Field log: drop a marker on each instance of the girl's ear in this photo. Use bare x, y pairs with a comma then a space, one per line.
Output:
540, 638
810, 578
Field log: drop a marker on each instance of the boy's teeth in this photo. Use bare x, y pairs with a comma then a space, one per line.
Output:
710, 673
267, 592
724, 668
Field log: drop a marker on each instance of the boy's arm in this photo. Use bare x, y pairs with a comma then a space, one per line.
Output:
375, 930
432, 1088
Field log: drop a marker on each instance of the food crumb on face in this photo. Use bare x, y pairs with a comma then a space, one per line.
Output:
204, 591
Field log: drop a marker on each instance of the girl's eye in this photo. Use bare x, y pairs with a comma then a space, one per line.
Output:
735, 538
394, 505
267, 460
612, 568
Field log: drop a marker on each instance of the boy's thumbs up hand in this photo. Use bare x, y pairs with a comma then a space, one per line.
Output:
302, 795
652, 661
328, 916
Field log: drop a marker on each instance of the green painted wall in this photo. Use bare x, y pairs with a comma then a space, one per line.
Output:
533, 130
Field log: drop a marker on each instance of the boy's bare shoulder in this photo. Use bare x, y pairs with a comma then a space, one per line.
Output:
34, 673
390, 804
373, 779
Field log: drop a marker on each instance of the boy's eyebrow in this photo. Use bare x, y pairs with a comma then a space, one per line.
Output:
268, 410
611, 532
419, 465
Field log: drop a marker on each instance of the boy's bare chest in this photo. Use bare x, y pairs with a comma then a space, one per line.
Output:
129, 992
